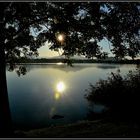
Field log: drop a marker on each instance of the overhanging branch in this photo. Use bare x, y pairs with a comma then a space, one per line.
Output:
29, 24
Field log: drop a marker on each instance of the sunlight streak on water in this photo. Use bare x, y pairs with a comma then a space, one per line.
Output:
59, 63
57, 95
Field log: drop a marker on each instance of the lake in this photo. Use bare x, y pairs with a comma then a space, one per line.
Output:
54, 89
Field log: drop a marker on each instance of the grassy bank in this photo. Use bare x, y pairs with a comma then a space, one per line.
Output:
84, 129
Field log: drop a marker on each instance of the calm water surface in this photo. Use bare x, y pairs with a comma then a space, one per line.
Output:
48, 90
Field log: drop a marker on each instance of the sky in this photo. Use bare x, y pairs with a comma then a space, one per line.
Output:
45, 52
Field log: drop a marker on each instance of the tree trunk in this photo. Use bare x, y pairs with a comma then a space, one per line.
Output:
5, 115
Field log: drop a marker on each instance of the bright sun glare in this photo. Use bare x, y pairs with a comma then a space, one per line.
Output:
60, 87
60, 37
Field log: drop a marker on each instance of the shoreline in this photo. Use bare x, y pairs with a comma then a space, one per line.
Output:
84, 129
73, 61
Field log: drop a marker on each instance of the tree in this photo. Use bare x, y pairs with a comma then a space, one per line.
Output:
123, 22
15, 22
26, 26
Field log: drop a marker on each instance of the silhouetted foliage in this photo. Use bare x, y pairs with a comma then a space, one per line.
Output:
22, 70
24, 27
24, 30
119, 94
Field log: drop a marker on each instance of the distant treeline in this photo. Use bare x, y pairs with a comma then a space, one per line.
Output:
45, 60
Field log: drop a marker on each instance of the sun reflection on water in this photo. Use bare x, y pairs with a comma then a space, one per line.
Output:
57, 95
60, 86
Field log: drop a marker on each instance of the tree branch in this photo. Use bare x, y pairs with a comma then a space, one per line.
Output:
27, 25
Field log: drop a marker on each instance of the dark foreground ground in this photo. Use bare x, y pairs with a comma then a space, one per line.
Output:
85, 129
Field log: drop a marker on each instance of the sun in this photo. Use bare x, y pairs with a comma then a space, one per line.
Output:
60, 38
60, 87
